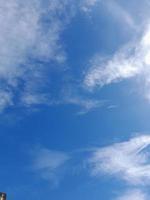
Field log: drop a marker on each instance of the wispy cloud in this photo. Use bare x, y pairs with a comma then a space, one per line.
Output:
128, 160
132, 61
48, 164
28, 29
29, 40
5, 99
120, 13
104, 72
116, 10
133, 195
86, 5
84, 103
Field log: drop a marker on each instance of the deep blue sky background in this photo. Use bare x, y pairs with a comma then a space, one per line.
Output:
59, 125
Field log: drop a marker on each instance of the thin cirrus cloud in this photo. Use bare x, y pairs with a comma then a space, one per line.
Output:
133, 195
86, 5
132, 61
120, 14
30, 40
128, 161
114, 9
30, 33
23, 33
86, 104
49, 165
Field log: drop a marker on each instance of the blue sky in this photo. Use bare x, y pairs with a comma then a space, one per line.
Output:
75, 99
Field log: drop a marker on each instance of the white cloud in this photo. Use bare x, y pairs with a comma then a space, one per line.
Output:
132, 61
30, 33
5, 99
30, 40
86, 104
47, 164
108, 71
35, 99
119, 13
128, 160
23, 33
86, 5
133, 195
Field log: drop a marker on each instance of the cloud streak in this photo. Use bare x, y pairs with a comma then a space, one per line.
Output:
132, 61
128, 161
30, 41
119, 13
48, 164
31, 44
133, 195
